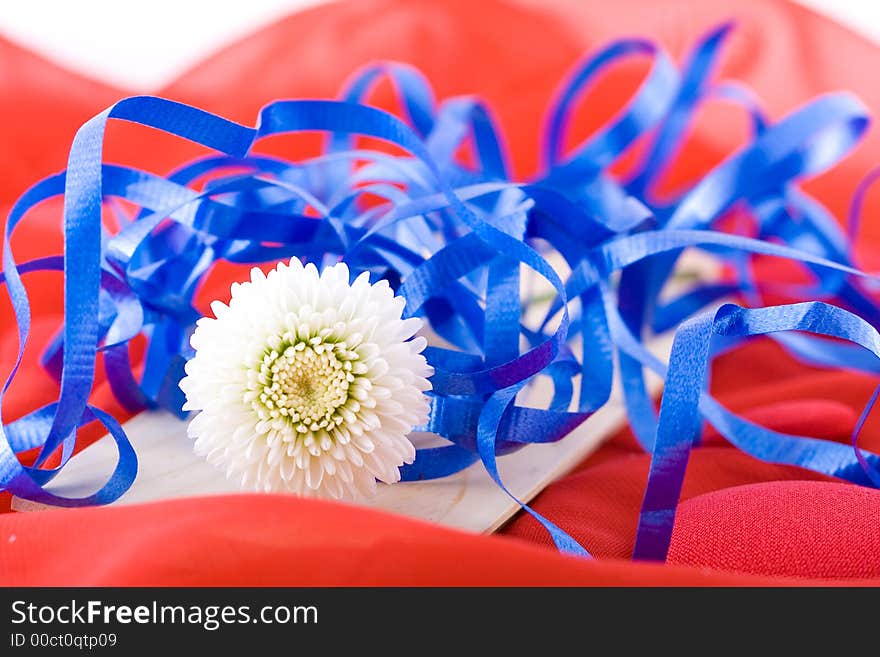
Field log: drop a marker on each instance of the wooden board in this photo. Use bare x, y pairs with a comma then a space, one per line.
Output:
468, 500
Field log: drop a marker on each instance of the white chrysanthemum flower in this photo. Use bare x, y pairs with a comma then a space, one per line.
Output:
306, 383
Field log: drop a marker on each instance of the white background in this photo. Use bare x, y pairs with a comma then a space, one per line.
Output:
171, 35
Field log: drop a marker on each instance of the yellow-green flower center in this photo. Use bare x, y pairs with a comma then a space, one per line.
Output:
305, 381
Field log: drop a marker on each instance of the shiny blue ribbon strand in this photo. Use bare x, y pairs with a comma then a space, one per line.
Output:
685, 405
462, 244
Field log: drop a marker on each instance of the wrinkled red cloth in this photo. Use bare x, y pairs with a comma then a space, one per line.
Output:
741, 521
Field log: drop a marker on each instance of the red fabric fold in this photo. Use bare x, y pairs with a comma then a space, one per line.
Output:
274, 540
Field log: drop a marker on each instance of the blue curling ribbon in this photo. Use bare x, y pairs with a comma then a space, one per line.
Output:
685, 404
461, 244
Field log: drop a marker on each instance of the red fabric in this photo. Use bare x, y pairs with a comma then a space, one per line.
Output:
741, 521
277, 540
764, 528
